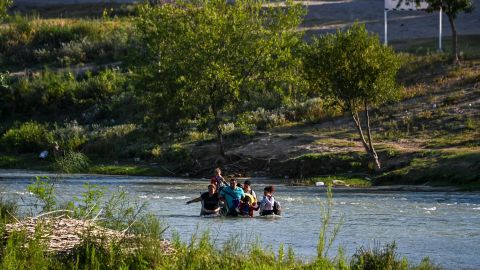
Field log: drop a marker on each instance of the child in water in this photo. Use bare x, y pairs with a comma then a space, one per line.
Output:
268, 204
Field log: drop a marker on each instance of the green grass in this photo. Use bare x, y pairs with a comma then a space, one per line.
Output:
334, 142
468, 46
20, 250
24, 161
336, 180
468, 139
129, 170
458, 167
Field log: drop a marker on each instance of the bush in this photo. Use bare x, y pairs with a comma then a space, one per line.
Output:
72, 162
312, 110
261, 119
45, 93
8, 210
378, 259
28, 137
61, 42
70, 137
177, 154
115, 141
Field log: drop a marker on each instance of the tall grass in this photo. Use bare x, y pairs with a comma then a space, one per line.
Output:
72, 162
61, 42
28, 251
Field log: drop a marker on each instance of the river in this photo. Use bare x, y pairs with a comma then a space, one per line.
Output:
441, 225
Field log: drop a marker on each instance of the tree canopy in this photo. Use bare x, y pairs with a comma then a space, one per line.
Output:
4, 5
452, 8
211, 59
356, 71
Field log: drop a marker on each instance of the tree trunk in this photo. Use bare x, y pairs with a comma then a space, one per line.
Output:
454, 38
358, 124
221, 149
373, 153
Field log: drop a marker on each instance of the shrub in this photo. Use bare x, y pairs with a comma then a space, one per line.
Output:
312, 110
378, 259
28, 137
177, 153
43, 189
261, 119
45, 93
70, 137
8, 209
112, 142
62, 42
72, 162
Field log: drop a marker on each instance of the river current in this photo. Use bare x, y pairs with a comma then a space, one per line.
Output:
445, 226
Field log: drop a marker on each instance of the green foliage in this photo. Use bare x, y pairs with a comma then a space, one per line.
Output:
207, 59
22, 253
325, 240
261, 119
88, 205
62, 42
119, 141
352, 67
70, 137
8, 209
354, 70
4, 5
22, 250
27, 137
53, 95
9, 161
177, 153
4, 80
378, 259
72, 162
313, 110
452, 8
43, 189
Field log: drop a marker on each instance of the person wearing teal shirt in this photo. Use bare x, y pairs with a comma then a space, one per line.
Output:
232, 195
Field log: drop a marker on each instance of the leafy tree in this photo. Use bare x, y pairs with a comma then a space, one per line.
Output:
207, 60
452, 8
357, 72
4, 5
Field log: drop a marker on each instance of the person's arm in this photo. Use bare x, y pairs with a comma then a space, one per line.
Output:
221, 197
199, 199
223, 180
262, 203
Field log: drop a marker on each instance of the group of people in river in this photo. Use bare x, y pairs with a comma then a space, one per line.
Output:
234, 199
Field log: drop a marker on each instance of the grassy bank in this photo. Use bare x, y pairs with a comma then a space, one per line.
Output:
131, 240
71, 82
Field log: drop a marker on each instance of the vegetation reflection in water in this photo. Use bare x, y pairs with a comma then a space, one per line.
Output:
22, 250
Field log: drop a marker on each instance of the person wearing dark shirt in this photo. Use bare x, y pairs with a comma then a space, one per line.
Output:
210, 201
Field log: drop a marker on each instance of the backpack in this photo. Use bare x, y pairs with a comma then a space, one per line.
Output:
277, 208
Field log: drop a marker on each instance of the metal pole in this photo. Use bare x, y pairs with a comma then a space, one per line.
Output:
440, 30
385, 39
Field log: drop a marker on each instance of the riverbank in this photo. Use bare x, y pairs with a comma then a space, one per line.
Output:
96, 117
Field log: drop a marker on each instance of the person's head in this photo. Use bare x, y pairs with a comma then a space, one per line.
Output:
268, 190
212, 188
247, 199
246, 185
233, 183
218, 171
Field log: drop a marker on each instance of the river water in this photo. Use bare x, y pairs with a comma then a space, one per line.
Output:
445, 226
